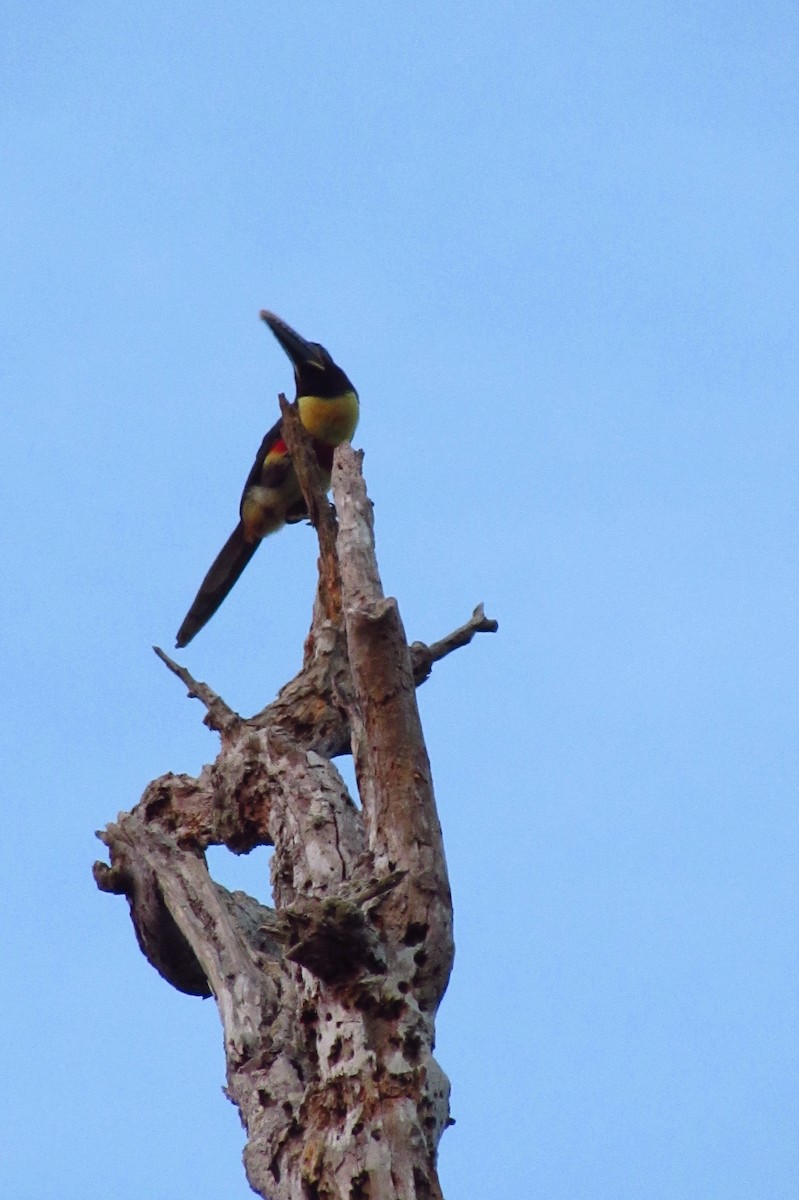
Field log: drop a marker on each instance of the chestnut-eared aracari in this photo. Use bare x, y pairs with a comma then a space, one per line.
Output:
328, 408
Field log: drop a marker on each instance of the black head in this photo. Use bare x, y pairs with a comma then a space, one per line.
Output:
314, 370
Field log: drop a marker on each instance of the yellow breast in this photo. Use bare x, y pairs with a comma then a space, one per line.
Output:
330, 419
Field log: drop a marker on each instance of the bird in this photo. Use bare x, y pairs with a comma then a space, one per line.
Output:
328, 407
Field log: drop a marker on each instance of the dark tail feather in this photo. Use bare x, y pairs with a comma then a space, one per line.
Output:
225, 570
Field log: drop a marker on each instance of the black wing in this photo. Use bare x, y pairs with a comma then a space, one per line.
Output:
256, 475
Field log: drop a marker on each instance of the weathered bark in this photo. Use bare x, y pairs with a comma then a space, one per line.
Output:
327, 1000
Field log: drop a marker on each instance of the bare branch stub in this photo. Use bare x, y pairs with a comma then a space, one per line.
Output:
301, 449
218, 716
327, 998
423, 657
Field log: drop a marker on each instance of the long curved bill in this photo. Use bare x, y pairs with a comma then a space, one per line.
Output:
295, 346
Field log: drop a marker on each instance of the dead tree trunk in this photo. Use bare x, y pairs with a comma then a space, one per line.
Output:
327, 1000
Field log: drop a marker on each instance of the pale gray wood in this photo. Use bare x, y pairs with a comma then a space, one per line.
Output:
328, 999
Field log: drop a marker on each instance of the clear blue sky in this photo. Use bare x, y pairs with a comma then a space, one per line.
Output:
556, 248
